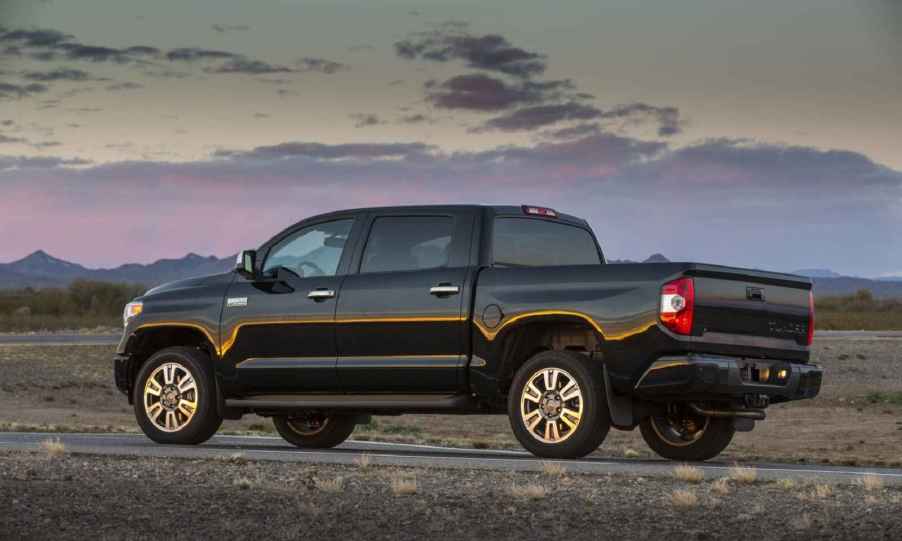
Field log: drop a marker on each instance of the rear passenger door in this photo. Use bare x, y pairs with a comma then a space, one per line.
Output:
401, 316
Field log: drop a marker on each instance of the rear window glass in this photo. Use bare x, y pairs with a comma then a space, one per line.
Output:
522, 242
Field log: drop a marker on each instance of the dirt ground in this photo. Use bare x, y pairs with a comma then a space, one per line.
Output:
857, 419
69, 496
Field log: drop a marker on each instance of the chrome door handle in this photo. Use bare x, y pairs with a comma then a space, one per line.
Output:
444, 290
320, 294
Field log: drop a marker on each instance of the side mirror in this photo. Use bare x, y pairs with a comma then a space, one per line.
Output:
244, 264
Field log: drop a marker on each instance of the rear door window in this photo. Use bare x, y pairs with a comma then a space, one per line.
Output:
406, 243
525, 242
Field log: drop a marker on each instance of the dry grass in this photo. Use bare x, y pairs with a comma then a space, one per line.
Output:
822, 491
683, 499
721, 486
689, 474
743, 474
403, 486
870, 482
234, 458
363, 461
53, 447
554, 468
786, 484
243, 483
330, 485
532, 491
630, 453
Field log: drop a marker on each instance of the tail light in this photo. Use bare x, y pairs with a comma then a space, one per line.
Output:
810, 317
678, 305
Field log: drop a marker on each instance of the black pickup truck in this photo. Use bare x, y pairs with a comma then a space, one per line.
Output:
468, 310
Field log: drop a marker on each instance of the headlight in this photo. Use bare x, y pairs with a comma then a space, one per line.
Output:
132, 309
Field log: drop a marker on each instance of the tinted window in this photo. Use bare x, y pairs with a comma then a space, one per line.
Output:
523, 242
312, 251
407, 243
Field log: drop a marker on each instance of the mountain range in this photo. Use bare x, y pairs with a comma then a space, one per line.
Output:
40, 270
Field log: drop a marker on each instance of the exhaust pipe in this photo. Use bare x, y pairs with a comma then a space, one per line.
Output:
757, 415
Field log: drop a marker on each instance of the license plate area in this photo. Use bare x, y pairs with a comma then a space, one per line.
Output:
764, 372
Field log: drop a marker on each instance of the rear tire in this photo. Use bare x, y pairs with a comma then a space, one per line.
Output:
680, 435
557, 406
175, 397
315, 431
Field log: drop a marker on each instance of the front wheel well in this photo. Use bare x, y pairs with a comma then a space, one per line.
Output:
146, 342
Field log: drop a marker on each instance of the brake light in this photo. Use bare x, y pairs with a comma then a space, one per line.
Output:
539, 211
810, 317
678, 305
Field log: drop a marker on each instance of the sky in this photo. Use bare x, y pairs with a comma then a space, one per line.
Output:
761, 134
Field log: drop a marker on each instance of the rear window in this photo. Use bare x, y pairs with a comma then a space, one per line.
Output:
523, 242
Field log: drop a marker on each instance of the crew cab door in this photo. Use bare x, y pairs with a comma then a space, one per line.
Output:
402, 311
278, 331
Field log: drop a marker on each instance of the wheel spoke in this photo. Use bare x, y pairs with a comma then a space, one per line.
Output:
168, 374
551, 431
550, 377
532, 419
570, 391
570, 418
186, 384
152, 387
153, 411
187, 408
532, 393
171, 421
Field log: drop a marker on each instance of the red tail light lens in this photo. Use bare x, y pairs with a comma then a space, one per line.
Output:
810, 317
678, 305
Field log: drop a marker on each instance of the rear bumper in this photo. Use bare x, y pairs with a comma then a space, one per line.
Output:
707, 377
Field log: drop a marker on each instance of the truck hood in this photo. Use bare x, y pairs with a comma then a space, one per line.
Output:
200, 282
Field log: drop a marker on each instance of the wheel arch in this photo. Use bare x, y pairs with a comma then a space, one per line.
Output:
145, 341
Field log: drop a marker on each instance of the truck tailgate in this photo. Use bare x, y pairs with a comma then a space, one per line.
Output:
750, 303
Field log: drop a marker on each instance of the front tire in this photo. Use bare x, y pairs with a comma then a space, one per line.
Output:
175, 397
557, 406
315, 431
682, 435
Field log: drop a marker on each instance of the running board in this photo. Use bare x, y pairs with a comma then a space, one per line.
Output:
413, 403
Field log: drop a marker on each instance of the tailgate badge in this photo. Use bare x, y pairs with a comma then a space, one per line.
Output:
235, 302
754, 294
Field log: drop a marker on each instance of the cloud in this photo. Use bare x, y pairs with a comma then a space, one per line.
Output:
490, 52
668, 118
254, 67
416, 118
531, 118
321, 65
60, 74
6, 140
9, 90
320, 151
127, 85
572, 132
480, 92
193, 54
34, 38
223, 28
364, 120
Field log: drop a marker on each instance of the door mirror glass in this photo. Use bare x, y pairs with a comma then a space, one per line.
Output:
244, 264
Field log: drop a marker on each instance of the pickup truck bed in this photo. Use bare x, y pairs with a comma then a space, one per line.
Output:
468, 309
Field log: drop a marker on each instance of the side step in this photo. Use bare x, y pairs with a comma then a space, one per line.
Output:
401, 403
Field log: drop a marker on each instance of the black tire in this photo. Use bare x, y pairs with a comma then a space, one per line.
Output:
331, 430
594, 422
206, 419
662, 434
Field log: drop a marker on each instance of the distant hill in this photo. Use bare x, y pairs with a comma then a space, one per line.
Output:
40, 270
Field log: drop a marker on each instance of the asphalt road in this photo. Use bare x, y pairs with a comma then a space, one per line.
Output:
425, 456
113, 339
